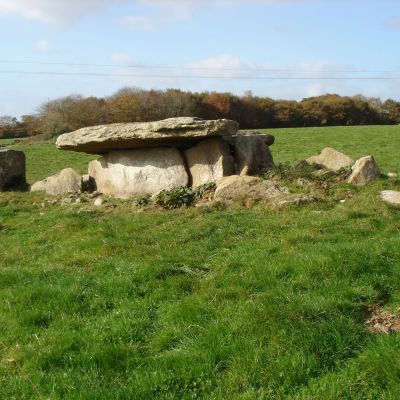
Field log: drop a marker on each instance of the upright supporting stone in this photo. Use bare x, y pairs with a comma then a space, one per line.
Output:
129, 173
252, 155
12, 170
209, 161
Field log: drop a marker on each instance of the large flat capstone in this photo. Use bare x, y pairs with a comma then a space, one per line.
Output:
131, 173
181, 133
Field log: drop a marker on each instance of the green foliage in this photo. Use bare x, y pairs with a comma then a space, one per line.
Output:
175, 198
285, 171
183, 196
289, 172
143, 201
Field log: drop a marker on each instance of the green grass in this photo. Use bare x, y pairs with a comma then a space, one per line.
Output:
192, 304
6, 141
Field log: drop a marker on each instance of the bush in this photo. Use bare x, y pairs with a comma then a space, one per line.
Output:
183, 196
143, 201
175, 198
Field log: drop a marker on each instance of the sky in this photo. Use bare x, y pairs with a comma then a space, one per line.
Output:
286, 49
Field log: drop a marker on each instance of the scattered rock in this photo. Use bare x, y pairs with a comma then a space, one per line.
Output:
302, 182
67, 201
66, 181
331, 159
293, 200
93, 194
235, 187
12, 170
129, 173
173, 132
383, 321
391, 197
209, 161
98, 202
252, 155
364, 171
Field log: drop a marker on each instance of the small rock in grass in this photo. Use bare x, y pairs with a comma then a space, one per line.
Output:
294, 200
383, 321
365, 170
391, 197
67, 201
98, 202
392, 175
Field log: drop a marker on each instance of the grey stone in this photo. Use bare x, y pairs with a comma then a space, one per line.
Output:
235, 187
252, 155
98, 202
391, 197
331, 159
66, 181
364, 171
131, 173
293, 200
174, 132
12, 170
209, 161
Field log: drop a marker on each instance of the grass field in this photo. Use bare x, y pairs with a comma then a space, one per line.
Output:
109, 303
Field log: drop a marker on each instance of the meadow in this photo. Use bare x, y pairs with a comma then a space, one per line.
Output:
110, 303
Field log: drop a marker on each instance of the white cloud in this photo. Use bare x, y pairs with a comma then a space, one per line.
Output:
121, 59
227, 73
43, 46
66, 11
393, 23
138, 23
53, 11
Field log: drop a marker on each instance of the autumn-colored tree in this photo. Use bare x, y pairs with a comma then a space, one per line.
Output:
136, 105
391, 111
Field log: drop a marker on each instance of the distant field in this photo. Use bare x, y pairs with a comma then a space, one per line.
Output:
108, 303
383, 142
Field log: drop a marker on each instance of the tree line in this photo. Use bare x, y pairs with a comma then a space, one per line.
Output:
252, 112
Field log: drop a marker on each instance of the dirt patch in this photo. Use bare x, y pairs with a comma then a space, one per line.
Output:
383, 321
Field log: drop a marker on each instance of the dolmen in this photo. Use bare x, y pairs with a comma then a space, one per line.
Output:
146, 158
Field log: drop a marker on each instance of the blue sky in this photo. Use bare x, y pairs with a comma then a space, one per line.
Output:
224, 45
